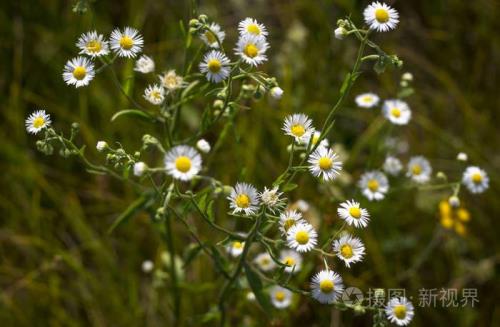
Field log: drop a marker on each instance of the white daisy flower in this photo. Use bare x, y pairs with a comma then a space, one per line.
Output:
315, 138
252, 49
128, 43
78, 71
367, 100
203, 146
139, 168
350, 249
374, 185
276, 92
271, 198
183, 162
37, 121
392, 165
292, 259
101, 146
244, 197
211, 34
235, 248
215, 65
324, 163
397, 112
399, 311
353, 214
92, 44
171, 81
144, 65
298, 126
419, 169
265, 262
288, 219
281, 298
155, 94
475, 179
250, 26
381, 17
326, 286
302, 237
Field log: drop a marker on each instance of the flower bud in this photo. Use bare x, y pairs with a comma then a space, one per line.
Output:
101, 146
203, 146
276, 92
139, 168
340, 33
454, 201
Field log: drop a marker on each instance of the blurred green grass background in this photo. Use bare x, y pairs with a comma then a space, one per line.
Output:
58, 267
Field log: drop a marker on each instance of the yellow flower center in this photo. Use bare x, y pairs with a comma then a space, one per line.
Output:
126, 42
237, 245
253, 29
325, 163
396, 112
367, 99
214, 65
156, 95
242, 201
302, 237
446, 222
416, 169
346, 251
288, 223
298, 130
279, 296
210, 37
382, 15
38, 122
79, 72
477, 178
463, 214
355, 212
399, 311
315, 139
94, 46
289, 261
251, 50
373, 185
265, 261
326, 286
183, 164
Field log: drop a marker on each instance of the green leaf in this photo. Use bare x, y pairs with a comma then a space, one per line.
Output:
345, 84
132, 209
289, 187
132, 112
256, 286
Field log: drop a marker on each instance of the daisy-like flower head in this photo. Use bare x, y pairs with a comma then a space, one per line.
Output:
271, 198
250, 26
252, 49
381, 17
92, 44
211, 34
215, 65
171, 81
128, 43
397, 112
326, 286
144, 65
302, 237
367, 100
298, 126
78, 71
399, 311
392, 165
374, 185
244, 197
280, 297
292, 259
265, 262
183, 162
288, 219
353, 214
154, 94
419, 169
475, 179
350, 249
235, 248
314, 138
324, 163
37, 121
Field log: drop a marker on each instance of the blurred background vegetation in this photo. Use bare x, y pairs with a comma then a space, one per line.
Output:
59, 267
